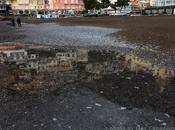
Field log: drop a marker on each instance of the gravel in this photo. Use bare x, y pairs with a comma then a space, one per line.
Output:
54, 34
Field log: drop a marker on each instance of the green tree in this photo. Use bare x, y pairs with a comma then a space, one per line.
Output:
122, 3
90, 4
105, 3
113, 6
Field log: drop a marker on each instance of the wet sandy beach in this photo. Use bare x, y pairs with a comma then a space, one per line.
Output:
53, 34
146, 30
75, 107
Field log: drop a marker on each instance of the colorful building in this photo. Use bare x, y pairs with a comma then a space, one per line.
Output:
162, 2
134, 2
26, 6
53, 5
77, 5
136, 63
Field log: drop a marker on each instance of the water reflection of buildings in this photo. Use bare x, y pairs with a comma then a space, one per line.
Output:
98, 69
12, 53
104, 68
28, 70
80, 55
54, 65
136, 63
35, 69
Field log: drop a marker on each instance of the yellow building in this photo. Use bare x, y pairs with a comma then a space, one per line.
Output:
54, 65
137, 63
26, 6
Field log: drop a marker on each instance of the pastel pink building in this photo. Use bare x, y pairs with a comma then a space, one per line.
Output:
77, 5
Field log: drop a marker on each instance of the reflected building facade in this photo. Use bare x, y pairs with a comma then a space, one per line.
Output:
37, 70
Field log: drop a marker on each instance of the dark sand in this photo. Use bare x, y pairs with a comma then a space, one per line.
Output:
147, 30
142, 30
8, 33
81, 108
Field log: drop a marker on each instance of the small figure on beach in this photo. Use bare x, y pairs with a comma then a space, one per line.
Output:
18, 22
13, 22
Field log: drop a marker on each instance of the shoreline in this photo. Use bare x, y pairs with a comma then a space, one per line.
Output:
143, 30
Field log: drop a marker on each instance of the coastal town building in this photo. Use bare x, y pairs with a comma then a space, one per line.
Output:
27, 6
135, 2
82, 55
154, 3
4, 6
4, 2
66, 55
104, 68
54, 65
136, 63
161, 7
162, 2
15, 55
77, 5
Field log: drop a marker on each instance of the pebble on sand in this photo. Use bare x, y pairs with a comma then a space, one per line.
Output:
54, 119
97, 104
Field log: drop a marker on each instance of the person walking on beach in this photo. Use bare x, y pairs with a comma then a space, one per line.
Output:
18, 22
13, 22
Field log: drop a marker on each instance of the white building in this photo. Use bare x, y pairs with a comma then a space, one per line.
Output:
3, 5
162, 2
26, 6
82, 55
66, 56
15, 55
4, 1
113, 1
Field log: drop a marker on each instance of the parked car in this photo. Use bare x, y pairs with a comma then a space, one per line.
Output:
91, 15
135, 15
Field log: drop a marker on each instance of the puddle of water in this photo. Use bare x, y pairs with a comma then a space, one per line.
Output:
119, 77
33, 66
